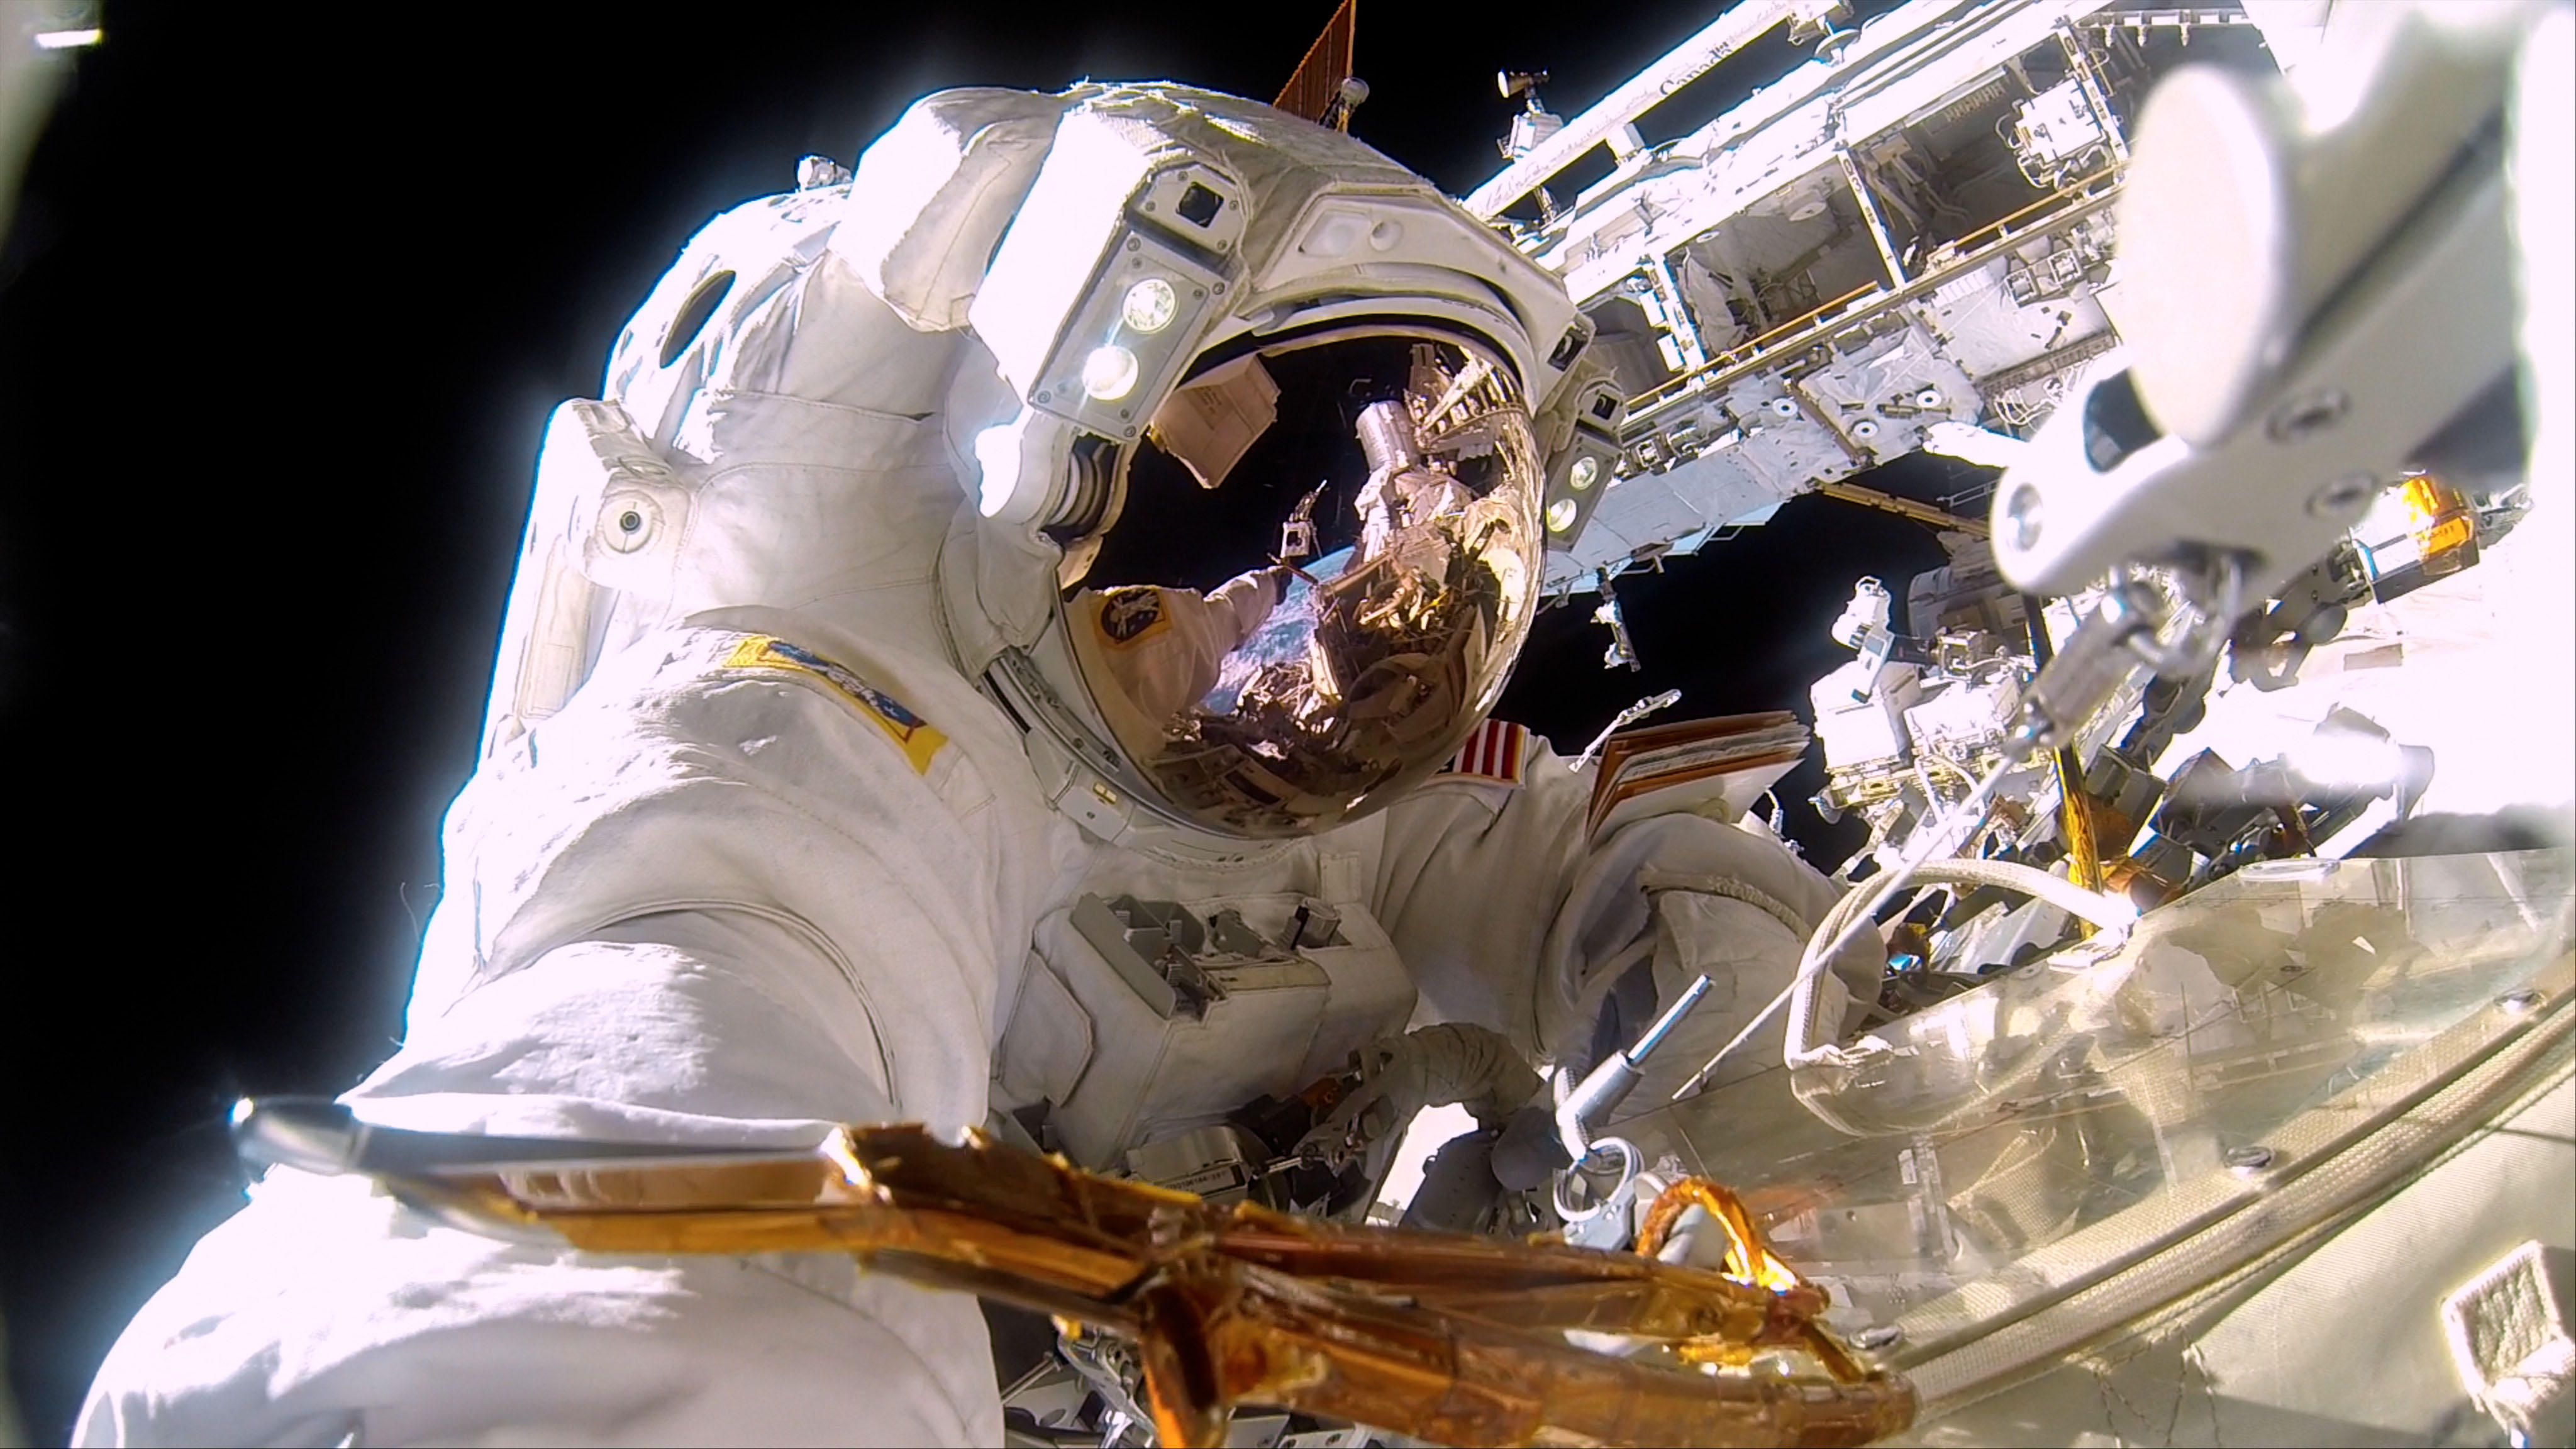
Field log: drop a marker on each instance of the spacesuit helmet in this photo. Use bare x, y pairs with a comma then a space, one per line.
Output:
1276, 640
1284, 420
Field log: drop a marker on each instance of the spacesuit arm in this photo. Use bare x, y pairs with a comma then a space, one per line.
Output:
1509, 918
1473, 872
325, 1310
742, 898
797, 932
1243, 603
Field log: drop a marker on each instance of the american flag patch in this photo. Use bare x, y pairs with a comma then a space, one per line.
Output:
1493, 752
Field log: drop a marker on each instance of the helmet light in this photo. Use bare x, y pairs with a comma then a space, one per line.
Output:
1109, 373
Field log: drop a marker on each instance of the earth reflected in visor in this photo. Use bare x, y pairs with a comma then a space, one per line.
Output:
1320, 564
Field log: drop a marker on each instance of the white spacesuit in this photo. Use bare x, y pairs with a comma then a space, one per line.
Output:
800, 804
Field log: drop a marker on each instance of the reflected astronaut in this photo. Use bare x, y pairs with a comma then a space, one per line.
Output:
1158, 651
999, 653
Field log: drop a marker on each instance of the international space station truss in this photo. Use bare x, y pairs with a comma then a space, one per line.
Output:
1913, 226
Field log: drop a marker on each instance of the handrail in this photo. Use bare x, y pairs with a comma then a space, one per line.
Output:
2060, 194
1746, 351
1756, 343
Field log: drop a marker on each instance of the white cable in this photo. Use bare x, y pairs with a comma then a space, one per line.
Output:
2110, 912
1859, 907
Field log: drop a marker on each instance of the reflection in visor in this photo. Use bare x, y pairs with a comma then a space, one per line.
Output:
1281, 638
1321, 624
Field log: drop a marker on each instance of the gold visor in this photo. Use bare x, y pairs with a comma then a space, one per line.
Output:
1320, 564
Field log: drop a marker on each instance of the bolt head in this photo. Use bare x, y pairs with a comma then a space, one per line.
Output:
2308, 414
2248, 1160
2348, 494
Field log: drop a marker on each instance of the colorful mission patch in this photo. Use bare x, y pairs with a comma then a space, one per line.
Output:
1492, 753
918, 739
1131, 615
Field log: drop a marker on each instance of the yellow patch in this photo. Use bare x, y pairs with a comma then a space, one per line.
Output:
918, 740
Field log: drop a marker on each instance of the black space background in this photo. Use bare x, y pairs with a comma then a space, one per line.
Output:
287, 301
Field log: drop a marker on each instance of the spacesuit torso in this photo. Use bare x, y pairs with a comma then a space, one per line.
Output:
782, 859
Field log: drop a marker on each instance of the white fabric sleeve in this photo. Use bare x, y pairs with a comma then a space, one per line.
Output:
325, 1310
704, 903
1176, 661
1245, 602
1506, 915
1472, 878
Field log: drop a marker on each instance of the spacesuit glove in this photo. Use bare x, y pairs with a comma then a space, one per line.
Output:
1437, 1066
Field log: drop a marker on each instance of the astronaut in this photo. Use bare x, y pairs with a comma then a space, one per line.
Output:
1159, 650
809, 794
